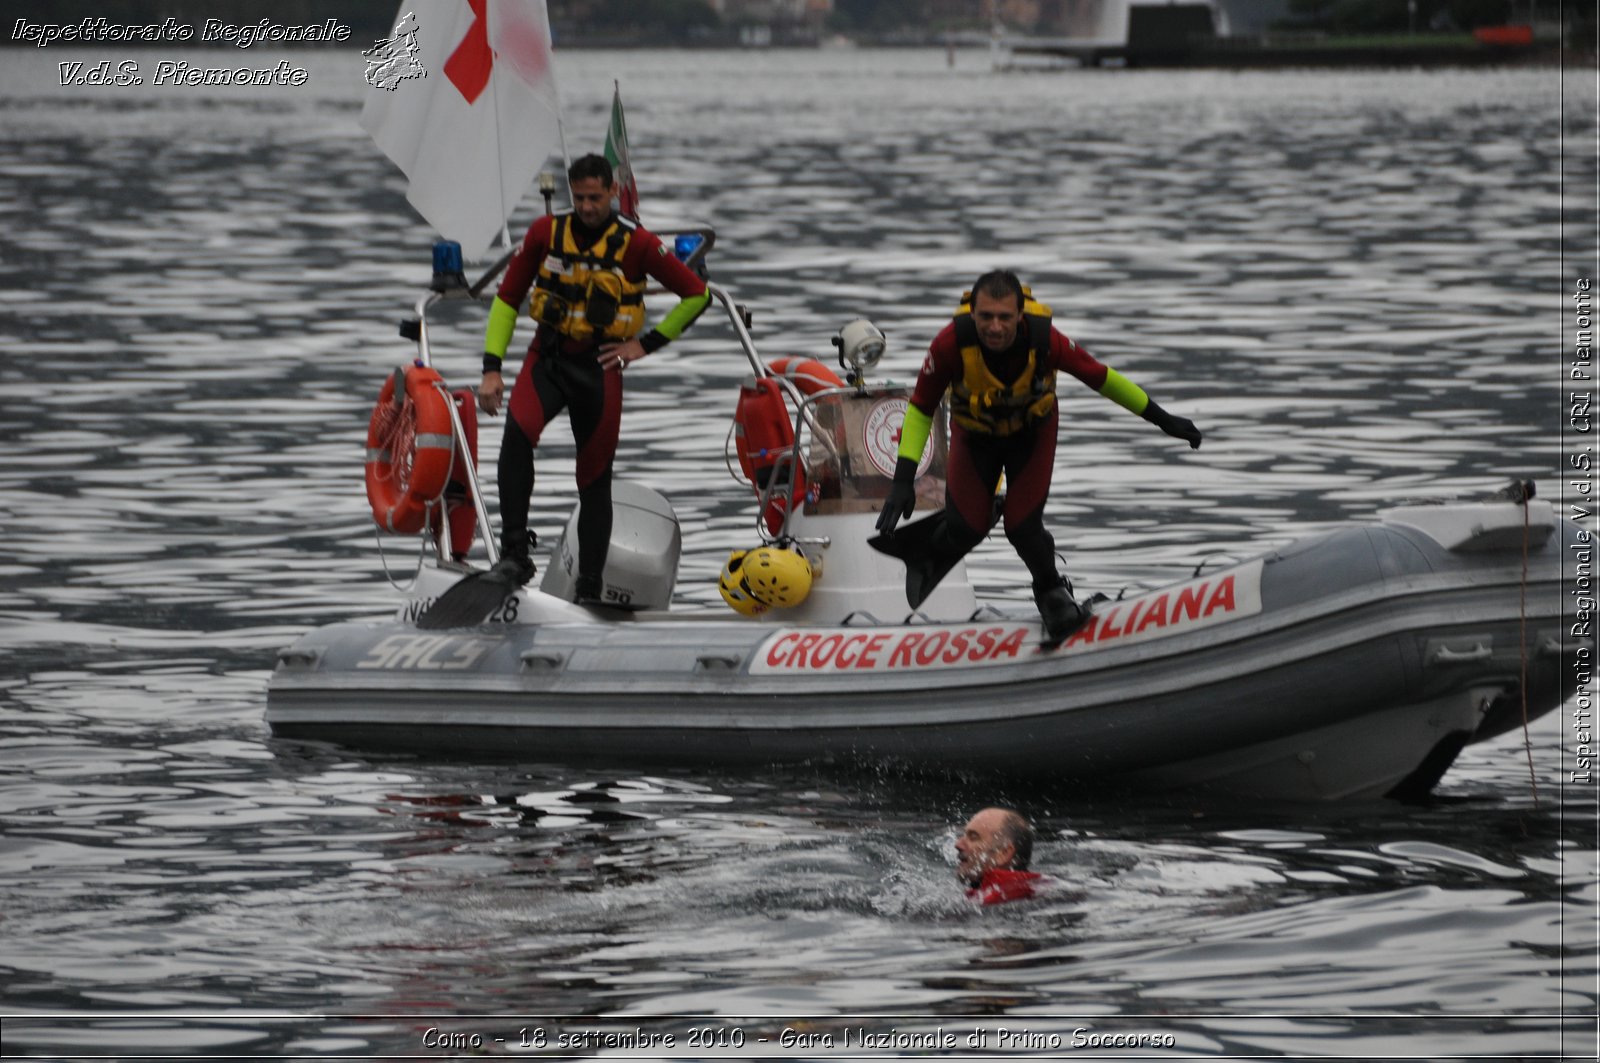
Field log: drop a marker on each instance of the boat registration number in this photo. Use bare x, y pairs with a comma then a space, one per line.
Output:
444, 653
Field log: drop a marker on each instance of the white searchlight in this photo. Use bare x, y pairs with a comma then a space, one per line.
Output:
861, 345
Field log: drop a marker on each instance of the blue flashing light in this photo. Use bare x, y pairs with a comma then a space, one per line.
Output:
685, 245
447, 258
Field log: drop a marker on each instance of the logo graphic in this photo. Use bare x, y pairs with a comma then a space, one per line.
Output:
394, 60
882, 436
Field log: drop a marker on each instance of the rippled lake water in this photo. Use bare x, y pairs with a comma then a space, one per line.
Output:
1348, 280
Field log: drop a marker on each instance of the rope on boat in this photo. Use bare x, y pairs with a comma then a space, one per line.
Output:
383, 559
728, 454
397, 427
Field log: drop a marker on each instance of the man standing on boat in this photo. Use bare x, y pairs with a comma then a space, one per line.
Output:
992, 857
998, 359
587, 270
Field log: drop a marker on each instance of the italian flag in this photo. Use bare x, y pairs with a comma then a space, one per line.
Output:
617, 156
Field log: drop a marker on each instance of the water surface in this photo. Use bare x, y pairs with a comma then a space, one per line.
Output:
1347, 279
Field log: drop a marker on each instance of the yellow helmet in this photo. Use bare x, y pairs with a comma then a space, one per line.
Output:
733, 588
777, 577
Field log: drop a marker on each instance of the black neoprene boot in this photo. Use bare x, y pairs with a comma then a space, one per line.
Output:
515, 561
589, 590
1061, 614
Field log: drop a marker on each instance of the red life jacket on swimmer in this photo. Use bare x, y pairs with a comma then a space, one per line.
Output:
999, 885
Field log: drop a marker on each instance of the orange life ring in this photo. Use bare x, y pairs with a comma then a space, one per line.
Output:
807, 374
402, 486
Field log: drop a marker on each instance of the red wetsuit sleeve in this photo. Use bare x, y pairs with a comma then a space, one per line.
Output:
1068, 357
648, 256
524, 264
939, 370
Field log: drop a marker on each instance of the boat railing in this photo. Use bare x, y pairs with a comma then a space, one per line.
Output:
806, 427
805, 413
453, 287
739, 318
417, 329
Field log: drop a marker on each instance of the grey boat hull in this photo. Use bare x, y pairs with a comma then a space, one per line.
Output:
1354, 664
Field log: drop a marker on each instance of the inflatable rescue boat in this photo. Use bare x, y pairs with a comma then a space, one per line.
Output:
1353, 664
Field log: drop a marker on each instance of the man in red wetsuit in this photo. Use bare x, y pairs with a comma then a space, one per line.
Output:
587, 271
992, 857
998, 359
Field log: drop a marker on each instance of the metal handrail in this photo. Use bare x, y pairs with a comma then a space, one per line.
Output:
457, 430
806, 415
424, 352
804, 418
490, 548
736, 318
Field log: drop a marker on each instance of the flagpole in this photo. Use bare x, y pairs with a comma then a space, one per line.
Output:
500, 134
499, 138
566, 156
622, 123
618, 155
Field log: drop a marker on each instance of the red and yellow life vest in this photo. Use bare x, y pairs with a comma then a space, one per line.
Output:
582, 292
980, 401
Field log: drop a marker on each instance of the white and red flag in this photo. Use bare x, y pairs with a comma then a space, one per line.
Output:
481, 119
617, 156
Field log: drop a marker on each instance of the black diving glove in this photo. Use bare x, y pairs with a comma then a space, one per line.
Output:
1177, 427
902, 496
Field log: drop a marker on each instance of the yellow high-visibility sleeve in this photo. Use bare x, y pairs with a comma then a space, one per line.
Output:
914, 433
502, 323
1124, 392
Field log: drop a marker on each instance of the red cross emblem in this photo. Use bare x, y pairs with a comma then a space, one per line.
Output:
469, 65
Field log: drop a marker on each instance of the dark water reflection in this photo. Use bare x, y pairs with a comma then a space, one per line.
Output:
1346, 279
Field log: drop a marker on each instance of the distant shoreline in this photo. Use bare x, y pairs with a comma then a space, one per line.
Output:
1222, 53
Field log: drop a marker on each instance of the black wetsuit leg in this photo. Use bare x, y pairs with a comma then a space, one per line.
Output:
595, 408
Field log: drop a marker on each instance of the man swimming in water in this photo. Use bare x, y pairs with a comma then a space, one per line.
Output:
992, 857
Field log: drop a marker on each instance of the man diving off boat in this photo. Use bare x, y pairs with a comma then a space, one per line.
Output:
587, 270
998, 359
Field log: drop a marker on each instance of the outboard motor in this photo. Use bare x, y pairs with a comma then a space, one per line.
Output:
642, 563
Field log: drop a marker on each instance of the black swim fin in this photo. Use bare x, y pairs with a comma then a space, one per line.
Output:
928, 560
1061, 615
474, 598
